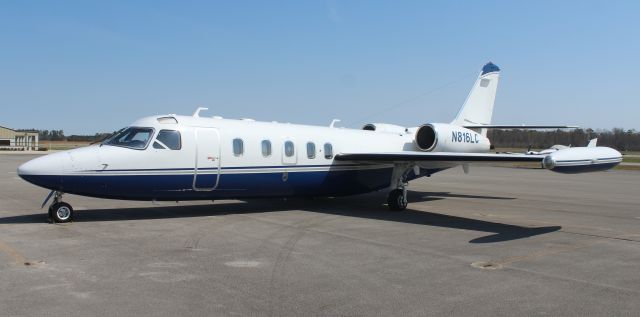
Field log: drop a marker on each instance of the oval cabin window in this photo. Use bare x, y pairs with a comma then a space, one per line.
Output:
311, 150
328, 151
238, 147
266, 148
289, 149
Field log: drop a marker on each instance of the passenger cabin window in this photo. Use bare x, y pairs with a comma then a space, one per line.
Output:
266, 148
132, 137
311, 150
168, 139
238, 147
328, 151
289, 149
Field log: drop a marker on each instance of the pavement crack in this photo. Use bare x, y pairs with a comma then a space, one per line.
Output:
625, 237
571, 279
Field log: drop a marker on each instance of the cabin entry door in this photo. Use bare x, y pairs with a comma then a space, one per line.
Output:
206, 173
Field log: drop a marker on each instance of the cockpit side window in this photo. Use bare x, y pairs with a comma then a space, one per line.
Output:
133, 137
169, 139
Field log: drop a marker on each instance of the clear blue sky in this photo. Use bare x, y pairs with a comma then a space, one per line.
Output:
91, 66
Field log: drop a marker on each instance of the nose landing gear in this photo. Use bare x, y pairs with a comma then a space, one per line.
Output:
59, 211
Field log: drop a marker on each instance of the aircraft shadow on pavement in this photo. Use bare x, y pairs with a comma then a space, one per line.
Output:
364, 206
442, 195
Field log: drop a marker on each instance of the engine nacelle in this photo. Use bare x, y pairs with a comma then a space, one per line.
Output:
582, 160
384, 127
442, 137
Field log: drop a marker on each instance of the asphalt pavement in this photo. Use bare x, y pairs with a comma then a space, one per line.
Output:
499, 241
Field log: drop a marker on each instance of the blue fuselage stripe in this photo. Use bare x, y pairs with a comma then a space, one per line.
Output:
230, 185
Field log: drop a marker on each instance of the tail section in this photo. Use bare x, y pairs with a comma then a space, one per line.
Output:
478, 108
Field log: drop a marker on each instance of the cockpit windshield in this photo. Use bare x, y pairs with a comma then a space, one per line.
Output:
132, 137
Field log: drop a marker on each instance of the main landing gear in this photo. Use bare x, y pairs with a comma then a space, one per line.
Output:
59, 211
397, 199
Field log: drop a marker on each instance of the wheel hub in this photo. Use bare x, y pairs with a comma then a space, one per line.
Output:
63, 212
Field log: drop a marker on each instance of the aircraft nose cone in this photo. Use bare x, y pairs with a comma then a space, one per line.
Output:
28, 168
43, 171
24, 169
46, 165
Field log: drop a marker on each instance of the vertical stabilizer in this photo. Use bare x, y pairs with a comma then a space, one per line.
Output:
478, 108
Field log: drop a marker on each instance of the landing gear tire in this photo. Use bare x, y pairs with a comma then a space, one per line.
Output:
60, 212
397, 200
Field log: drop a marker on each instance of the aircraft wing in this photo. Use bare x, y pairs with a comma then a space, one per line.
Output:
523, 127
437, 157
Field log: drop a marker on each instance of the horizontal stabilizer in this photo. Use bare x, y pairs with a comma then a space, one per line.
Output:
494, 126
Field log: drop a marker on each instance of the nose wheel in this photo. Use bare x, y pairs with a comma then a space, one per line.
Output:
59, 211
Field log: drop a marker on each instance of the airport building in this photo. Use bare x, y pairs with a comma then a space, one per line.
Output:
18, 140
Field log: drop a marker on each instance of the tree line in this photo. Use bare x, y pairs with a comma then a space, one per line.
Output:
58, 135
616, 138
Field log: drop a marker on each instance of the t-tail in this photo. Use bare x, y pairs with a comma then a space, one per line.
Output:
477, 110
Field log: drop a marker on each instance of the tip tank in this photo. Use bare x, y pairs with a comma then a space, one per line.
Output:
582, 160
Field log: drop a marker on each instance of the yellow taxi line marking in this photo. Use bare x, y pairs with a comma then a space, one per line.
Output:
11, 252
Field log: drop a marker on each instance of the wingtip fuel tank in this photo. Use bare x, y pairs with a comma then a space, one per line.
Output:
582, 159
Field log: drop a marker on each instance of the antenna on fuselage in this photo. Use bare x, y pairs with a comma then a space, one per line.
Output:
196, 114
333, 122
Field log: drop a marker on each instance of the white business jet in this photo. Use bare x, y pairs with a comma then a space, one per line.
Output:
174, 158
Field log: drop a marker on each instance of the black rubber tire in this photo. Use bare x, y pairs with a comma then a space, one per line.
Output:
50, 215
396, 201
61, 212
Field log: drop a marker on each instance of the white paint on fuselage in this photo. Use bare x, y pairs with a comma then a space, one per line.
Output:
121, 160
212, 165
252, 133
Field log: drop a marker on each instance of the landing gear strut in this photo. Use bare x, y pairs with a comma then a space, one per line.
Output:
397, 199
59, 211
